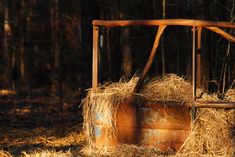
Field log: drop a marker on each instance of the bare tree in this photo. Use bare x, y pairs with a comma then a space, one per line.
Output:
7, 80
126, 64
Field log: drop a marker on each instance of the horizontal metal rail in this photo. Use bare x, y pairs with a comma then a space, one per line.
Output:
196, 104
227, 105
168, 22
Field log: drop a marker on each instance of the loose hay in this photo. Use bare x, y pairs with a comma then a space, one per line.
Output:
168, 88
230, 95
48, 153
5, 154
212, 132
127, 150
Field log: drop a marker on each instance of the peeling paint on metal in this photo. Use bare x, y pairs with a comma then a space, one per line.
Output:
97, 129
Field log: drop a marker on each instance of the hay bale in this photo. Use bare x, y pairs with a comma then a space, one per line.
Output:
169, 88
105, 102
211, 132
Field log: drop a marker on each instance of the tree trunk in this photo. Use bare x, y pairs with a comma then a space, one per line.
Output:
22, 42
126, 53
7, 74
56, 56
55, 43
29, 49
126, 63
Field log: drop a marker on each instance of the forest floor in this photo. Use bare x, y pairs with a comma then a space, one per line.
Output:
39, 130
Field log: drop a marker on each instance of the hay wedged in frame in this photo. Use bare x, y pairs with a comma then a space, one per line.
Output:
230, 95
211, 133
168, 88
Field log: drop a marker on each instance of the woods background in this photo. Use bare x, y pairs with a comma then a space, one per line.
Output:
46, 45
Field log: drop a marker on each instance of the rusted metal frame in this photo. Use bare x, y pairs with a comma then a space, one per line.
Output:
194, 62
150, 60
176, 22
199, 34
225, 105
196, 104
95, 53
224, 34
193, 109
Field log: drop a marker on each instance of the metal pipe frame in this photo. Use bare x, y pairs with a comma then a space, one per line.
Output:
195, 24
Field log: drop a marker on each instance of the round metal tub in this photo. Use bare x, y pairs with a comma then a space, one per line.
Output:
165, 125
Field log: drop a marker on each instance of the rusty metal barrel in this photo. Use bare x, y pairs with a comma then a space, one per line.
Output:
165, 125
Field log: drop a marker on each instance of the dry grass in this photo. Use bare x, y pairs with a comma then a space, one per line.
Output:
105, 102
48, 153
41, 135
211, 135
230, 95
4, 153
43, 142
124, 150
168, 88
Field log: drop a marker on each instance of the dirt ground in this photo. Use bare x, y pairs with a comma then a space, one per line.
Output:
28, 130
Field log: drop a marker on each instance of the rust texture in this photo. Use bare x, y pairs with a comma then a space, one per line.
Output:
199, 34
168, 22
227, 105
194, 63
224, 34
162, 125
95, 57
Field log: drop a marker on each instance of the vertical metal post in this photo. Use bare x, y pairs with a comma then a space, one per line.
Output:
199, 32
95, 55
193, 110
194, 63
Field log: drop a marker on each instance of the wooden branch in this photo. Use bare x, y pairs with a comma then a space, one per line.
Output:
219, 31
168, 22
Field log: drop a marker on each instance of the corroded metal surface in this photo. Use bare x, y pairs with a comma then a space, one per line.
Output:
162, 125
95, 54
169, 22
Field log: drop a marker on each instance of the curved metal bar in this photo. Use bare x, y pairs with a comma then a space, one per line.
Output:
150, 60
224, 34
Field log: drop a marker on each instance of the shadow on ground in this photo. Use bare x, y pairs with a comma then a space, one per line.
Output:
29, 129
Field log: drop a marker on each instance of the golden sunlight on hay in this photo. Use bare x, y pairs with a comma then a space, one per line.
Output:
47, 153
230, 94
211, 133
5, 154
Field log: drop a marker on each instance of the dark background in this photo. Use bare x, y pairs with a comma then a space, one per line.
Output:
46, 45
